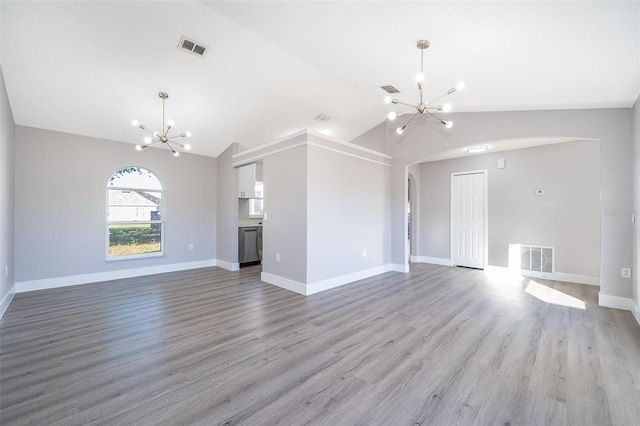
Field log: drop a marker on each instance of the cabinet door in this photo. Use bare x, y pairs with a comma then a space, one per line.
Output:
247, 181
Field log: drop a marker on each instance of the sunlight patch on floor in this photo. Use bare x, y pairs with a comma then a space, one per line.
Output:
553, 296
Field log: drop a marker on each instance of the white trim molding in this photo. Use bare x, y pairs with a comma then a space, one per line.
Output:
6, 300
400, 267
229, 266
433, 260
616, 302
636, 312
318, 286
341, 280
286, 283
46, 283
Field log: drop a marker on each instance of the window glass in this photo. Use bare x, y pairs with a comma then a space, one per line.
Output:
256, 205
135, 223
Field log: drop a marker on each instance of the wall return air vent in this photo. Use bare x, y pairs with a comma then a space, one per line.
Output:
192, 46
533, 261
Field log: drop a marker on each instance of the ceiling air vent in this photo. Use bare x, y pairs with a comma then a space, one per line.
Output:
322, 117
192, 46
389, 89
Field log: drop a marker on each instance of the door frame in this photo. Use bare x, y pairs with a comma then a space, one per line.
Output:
485, 214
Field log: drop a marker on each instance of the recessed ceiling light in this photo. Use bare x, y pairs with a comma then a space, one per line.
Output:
477, 148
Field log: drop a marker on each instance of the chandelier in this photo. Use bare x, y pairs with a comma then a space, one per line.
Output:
163, 137
423, 107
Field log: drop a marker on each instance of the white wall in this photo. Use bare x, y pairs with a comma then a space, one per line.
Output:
60, 182
7, 200
567, 217
612, 127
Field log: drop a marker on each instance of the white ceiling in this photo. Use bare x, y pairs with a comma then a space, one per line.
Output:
90, 67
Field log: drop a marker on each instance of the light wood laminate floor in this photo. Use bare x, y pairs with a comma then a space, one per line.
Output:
436, 346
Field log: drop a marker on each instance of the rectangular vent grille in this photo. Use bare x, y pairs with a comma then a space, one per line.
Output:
192, 46
322, 117
538, 260
389, 89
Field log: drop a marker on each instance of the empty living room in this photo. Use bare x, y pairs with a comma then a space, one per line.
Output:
319, 213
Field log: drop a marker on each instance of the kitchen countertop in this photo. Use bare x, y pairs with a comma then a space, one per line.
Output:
250, 222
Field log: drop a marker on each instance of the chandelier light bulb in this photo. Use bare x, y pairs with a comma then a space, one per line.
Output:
176, 154
387, 99
170, 122
446, 107
399, 130
156, 134
187, 147
187, 134
147, 140
135, 123
460, 85
139, 147
420, 77
449, 124
392, 115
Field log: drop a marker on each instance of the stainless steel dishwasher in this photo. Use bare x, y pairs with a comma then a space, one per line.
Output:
249, 244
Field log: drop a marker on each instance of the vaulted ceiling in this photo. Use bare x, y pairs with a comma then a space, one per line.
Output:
90, 67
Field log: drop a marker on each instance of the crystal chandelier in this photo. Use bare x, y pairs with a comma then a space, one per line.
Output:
163, 137
424, 107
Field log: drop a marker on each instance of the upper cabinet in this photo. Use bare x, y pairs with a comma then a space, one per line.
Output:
247, 181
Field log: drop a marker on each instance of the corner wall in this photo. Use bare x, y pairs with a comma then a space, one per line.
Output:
60, 224
636, 210
7, 199
566, 217
613, 127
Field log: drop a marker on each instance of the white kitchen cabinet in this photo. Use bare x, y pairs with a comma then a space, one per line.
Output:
247, 181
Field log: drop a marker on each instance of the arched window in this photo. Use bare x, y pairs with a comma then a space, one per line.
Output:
135, 208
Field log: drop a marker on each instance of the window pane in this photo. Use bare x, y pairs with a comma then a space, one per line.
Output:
258, 189
134, 239
134, 205
135, 177
255, 207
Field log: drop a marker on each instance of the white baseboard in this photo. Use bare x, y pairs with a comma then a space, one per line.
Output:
341, 280
616, 302
23, 286
563, 276
636, 312
227, 265
6, 300
399, 267
433, 260
286, 283
318, 286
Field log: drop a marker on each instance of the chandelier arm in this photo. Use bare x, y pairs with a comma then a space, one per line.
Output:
405, 104
409, 120
146, 130
421, 73
436, 117
150, 143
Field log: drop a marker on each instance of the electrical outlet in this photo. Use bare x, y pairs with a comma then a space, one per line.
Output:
626, 273
277, 257
364, 253
190, 247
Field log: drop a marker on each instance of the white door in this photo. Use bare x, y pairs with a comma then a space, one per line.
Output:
467, 219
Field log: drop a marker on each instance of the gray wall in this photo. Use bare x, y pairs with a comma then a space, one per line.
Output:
636, 207
7, 146
567, 217
348, 212
285, 206
227, 202
374, 138
613, 127
60, 182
